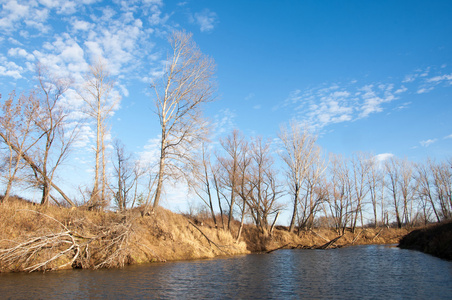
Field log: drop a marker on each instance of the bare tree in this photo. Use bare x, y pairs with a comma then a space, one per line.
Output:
314, 193
186, 85
97, 93
202, 186
340, 192
215, 171
57, 136
442, 181
426, 185
408, 188
300, 153
263, 187
402, 187
16, 130
234, 167
361, 165
375, 183
393, 173
125, 174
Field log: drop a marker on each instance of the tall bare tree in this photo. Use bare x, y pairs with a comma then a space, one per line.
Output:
314, 192
16, 130
234, 167
186, 85
52, 126
361, 165
375, 184
426, 186
340, 192
202, 186
403, 188
125, 174
393, 174
300, 153
264, 188
97, 93
442, 181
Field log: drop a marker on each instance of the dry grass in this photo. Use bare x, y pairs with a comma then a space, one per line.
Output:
34, 238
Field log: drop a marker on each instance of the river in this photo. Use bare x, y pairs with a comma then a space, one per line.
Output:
360, 272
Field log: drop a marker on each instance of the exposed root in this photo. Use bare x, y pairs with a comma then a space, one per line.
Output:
68, 248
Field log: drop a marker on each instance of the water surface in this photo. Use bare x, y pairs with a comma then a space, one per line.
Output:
365, 272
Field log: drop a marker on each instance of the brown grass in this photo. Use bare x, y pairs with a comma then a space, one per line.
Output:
34, 237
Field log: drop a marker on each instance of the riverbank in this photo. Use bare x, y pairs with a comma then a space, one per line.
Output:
435, 240
37, 238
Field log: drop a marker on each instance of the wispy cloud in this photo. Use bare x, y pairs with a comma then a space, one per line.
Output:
428, 142
224, 121
249, 96
446, 77
206, 19
339, 102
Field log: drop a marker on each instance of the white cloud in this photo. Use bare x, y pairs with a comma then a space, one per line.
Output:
19, 52
403, 105
206, 20
335, 103
10, 69
424, 90
428, 142
401, 90
448, 136
64, 57
373, 100
151, 152
224, 121
380, 158
81, 25
446, 77
410, 78
85, 136
338, 103
12, 12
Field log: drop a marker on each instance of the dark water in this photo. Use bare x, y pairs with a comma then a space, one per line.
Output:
362, 272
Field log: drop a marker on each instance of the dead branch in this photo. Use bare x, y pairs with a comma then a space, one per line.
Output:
327, 245
317, 234
356, 237
377, 234
108, 248
208, 239
279, 248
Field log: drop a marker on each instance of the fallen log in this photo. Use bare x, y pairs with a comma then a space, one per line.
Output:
328, 244
208, 239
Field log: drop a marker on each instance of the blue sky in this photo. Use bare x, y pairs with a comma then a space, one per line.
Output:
372, 76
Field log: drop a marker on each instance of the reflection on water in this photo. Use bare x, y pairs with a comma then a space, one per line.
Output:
371, 272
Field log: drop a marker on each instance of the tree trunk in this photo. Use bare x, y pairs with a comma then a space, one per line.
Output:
294, 214
239, 234
160, 178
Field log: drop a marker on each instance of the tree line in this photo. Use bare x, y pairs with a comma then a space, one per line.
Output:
247, 178
238, 178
